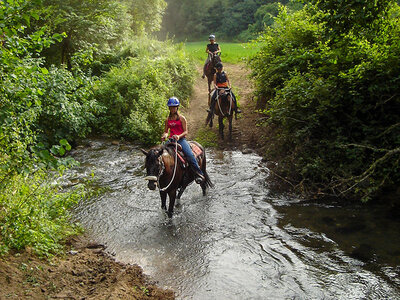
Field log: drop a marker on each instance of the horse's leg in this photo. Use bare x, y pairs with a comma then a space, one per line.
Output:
230, 126
172, 196
221, 126
163, 200
180, 192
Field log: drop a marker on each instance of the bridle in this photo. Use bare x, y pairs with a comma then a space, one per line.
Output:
162, 169
230, 102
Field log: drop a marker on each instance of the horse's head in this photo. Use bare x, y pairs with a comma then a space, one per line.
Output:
215, 59
153, 166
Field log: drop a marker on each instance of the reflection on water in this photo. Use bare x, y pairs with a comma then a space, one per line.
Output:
239, 241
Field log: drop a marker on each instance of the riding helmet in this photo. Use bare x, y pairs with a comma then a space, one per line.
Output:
173, 101
211, 37
218, 65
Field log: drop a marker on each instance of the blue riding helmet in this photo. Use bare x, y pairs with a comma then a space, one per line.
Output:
173, 101
211, 37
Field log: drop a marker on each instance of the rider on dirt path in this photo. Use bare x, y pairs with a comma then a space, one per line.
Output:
221, 80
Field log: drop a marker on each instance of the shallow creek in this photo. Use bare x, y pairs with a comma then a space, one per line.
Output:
240, 241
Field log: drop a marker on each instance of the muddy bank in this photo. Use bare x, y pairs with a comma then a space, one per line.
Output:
84, 272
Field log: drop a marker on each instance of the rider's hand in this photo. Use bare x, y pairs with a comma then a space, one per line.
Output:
164, 137
175, 137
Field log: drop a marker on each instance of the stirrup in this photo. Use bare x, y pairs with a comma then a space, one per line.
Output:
199, 178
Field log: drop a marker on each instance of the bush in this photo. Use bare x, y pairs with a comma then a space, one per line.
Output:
35, 213
333, 102
68, 106
135, 92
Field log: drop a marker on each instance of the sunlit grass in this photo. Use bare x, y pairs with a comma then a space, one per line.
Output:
206, 137
230, 52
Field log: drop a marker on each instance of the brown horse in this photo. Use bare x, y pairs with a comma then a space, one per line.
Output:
224, 108
210, 71
165, 170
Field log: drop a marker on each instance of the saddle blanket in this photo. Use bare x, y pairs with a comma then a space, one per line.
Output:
196, 150
181, 156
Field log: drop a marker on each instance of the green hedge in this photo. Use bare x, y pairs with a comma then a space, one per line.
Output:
332, 102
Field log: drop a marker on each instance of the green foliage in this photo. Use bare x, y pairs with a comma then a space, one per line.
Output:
87, 26
135, 92
342, 17
95, 27
34, 213
146, 15
230, 20
68, 108
332, 101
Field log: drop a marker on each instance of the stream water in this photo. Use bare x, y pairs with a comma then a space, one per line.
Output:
240, 241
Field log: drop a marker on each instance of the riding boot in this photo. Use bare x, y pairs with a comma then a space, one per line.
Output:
237, 110
198, 177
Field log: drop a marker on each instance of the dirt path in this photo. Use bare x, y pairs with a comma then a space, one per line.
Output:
245, 133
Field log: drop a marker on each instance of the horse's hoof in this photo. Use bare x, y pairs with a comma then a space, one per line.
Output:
169, 214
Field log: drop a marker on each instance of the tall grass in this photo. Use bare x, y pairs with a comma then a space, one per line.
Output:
230, 52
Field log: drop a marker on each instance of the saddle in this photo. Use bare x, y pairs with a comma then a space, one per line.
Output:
181, 156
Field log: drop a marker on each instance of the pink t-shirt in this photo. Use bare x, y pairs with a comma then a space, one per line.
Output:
175, 127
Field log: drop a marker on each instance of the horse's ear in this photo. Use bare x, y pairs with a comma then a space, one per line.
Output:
144, 151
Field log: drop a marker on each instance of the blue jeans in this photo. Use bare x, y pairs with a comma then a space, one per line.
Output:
189, 154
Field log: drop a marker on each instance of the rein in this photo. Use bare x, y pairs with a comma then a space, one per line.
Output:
163, 168
230, 103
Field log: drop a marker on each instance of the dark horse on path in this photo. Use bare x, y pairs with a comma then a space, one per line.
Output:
224, 108
210, 71
166, 169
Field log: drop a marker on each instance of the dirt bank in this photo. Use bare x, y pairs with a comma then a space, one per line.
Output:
86, 271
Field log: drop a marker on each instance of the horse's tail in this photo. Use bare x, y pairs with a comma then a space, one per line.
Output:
203, 166
208, 181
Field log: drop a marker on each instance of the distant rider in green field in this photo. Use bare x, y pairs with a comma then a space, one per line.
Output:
212, 49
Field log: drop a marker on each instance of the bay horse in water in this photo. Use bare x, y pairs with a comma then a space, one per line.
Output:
210, 71
165, 168
224, 108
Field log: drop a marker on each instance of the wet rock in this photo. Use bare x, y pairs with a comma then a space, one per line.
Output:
116, 143
247, 151
95, 246
124, 148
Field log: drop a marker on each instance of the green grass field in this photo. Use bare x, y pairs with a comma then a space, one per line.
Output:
230, 52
